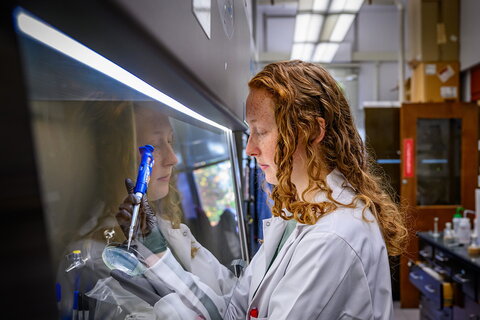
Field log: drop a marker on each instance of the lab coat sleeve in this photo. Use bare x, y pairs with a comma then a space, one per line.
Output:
322, 266
191, 296
171, 307
211, 272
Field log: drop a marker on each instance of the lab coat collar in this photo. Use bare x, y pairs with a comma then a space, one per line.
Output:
273, 229
337, 182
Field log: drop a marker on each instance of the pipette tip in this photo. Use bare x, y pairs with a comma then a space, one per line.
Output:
130, 235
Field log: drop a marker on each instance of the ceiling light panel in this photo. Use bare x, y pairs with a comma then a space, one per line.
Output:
328, 26
345, 5
325, 52
320, 5
353, 5
314, 27
297, 51
307, 27
302, 51
301, 27
337, 5
344, 22
308, 51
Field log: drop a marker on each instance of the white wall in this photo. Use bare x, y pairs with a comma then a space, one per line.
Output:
279, 34
279, 31
469, 33
378, 32
378, 28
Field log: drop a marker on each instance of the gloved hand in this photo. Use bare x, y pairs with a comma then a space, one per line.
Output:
147, 231
140, 286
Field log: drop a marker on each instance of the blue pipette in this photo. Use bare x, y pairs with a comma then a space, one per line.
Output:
141, 185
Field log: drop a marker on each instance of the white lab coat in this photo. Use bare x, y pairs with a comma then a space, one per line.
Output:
335, 269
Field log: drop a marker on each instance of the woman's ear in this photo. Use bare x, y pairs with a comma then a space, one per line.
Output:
321, 130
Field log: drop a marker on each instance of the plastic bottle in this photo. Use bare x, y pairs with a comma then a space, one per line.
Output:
464, 231
456, 221
476, 232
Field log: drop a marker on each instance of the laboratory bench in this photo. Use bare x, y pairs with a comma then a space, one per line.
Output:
448, 279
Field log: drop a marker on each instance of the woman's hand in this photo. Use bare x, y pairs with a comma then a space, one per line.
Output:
147, 231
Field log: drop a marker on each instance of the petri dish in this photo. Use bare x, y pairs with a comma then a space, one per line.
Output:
118, 257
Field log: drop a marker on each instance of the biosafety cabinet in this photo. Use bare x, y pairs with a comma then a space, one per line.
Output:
85, 84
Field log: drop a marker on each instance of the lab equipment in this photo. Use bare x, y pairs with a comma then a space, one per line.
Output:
76, 260
127, 260
476, 232
435, 228
108, 234
456, 220
474, 249
151, 237
466, 221
141, 185
448, 236
464, 231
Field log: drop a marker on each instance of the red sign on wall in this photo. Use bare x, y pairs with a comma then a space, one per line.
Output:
408, 158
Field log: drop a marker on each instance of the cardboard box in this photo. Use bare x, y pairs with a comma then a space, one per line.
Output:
433, 30
436, 82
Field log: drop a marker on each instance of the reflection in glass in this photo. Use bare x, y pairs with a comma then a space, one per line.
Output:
216, 190
87, 129
218, 202
438, 154
124, 259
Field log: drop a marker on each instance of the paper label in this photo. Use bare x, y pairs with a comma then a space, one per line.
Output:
445, 73
430, 69
448, 92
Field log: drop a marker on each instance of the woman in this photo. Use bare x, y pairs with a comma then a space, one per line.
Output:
325, 250
120, 129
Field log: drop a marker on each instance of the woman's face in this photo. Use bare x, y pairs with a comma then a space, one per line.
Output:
263, 139
154, 128
263, 132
